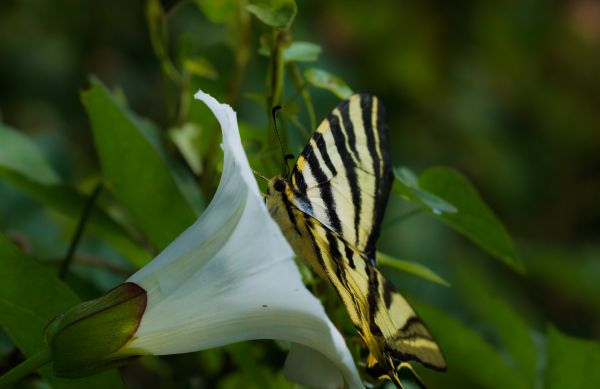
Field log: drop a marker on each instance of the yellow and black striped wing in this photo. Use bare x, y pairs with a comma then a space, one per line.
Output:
389, 326
343, 176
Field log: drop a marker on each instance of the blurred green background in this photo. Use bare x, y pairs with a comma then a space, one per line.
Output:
506, 92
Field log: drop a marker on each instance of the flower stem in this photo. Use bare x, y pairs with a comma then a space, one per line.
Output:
25, 368
64, 266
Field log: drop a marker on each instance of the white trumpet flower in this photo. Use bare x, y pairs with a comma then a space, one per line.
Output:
230, 277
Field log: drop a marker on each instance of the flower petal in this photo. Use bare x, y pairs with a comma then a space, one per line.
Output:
231, 277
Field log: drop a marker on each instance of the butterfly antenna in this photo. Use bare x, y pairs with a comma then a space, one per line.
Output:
286, 157
257, 174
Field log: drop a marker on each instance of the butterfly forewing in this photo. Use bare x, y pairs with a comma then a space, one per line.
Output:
343, 176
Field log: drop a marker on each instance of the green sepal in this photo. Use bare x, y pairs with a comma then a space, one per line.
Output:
92, 336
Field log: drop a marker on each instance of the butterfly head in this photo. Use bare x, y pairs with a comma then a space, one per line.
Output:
276, 185
277, 197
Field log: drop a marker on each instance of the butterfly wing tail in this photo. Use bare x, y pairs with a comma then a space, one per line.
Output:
375, 370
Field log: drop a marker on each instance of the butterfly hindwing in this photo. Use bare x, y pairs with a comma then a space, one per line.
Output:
343, 177
389, 326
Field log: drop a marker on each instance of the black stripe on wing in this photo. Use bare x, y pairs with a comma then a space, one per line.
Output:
339, 137
376, 133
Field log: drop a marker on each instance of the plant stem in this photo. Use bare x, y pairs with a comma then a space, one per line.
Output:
300, 85
156, 21
64, 266
275, 79
25, 368
242, 53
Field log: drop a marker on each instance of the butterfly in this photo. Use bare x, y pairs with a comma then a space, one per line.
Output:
330, 209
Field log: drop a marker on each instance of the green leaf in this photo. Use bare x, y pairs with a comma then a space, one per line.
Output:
473, 218
188, 139
572, 362
482, 297
156, 19
218, 11
29, 297
472, 362
200, 67
410, 267
275, 13
408, 188
264, 44
324, 80
70, 203
18, 153
301, 52
137, 168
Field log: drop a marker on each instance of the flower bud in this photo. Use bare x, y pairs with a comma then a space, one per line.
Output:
93, 336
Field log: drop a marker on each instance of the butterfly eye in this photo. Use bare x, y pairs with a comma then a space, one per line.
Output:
279, 185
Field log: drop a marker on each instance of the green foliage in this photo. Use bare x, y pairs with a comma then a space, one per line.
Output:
553, 269
302, 52
26, 308
451, 198
19, 155
24, 167
523, 132
322, 79
275, 13
469, 355
408, 188
572, 362
218, 11
135, 165
504, 325
410, 267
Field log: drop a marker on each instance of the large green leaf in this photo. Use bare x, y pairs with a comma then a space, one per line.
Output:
137, 168
472, 362
29, 297
407, 186
23, 166
572, 363
473, 218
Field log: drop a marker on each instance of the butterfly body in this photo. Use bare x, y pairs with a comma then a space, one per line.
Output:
330, 210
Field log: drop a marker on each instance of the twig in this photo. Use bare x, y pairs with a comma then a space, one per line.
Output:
66, 262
